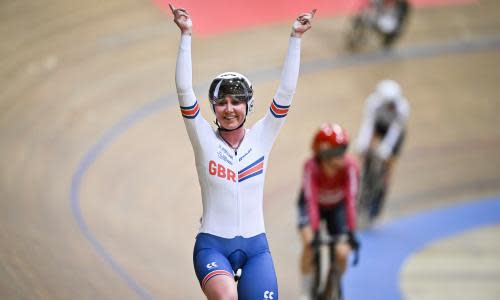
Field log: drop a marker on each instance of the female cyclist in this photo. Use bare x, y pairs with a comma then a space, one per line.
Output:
383, 132
329, 187
231, 162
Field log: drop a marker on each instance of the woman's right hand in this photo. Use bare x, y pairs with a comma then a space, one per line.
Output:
182, 19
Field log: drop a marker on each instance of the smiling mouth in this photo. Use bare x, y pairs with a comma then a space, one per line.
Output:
230, 118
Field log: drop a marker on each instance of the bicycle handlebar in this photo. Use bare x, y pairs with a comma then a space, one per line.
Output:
355, 261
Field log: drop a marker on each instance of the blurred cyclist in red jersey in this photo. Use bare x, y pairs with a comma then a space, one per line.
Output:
328, 193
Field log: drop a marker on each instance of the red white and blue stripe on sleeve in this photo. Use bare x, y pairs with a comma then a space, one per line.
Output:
254, 169
279, 111
190, 112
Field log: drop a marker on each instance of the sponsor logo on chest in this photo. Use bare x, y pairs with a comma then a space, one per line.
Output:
225, 155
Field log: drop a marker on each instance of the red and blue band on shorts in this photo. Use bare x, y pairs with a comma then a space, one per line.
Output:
213, 274
215, 256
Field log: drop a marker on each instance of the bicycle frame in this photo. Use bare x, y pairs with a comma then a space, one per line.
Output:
372, 189
333, 288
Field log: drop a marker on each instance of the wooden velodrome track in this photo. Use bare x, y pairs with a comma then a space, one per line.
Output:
98, 192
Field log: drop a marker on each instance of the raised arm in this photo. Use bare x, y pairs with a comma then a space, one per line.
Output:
290, 72
270, 125
196, 126
183, 68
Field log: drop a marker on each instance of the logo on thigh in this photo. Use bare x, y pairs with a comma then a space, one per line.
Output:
212, 265
268, 295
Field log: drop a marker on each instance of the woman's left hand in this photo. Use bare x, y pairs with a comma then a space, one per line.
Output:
182, 19
302, 23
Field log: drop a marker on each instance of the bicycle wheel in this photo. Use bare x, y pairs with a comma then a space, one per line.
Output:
365, 191
372, 190
333, 289
315, 290
379, 169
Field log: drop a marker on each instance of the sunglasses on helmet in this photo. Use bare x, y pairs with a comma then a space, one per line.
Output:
237, 98
332, 152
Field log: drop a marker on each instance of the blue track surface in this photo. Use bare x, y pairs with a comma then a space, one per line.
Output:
386, 248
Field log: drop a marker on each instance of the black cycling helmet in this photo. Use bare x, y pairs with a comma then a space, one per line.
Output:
233, 84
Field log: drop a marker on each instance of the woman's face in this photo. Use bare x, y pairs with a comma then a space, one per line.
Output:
230, 112
334, 163
330, 162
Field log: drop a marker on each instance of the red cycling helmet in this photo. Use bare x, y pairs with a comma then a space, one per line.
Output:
334, 136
